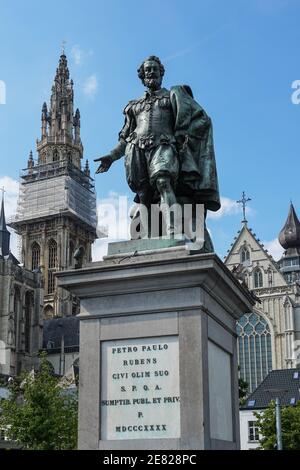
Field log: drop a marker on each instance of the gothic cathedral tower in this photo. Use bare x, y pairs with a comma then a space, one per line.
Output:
56, 214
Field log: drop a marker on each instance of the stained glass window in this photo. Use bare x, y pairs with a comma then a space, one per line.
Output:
254, 349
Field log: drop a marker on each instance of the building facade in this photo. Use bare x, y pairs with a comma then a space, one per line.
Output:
21, 310
56, 216
269, 336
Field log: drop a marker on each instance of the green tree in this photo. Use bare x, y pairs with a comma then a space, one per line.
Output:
243, 391
290, 424
40, 415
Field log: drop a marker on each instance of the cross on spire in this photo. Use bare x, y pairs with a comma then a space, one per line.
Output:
243, 201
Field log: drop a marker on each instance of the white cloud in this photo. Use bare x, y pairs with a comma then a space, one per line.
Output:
11, 188
113, 216
274, 248
228, 207
77, 54
80, 55
90, 86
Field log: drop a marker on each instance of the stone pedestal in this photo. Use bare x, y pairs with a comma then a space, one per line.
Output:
158, 362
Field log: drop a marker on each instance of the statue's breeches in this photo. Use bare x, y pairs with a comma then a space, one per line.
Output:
144, 166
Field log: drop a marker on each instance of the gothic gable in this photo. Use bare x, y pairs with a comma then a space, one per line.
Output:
260, 269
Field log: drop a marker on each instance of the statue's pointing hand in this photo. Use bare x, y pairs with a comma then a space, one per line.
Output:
105, 163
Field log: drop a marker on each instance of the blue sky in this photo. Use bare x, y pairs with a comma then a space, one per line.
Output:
240, 57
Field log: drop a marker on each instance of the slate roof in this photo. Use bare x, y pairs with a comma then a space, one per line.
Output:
53, 331
289, 236
282, 383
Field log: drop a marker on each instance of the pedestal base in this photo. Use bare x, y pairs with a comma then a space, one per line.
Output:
158, 362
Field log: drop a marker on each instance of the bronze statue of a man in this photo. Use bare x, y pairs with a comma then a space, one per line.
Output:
168, 146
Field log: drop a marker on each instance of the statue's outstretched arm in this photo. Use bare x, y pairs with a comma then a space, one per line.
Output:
107, 160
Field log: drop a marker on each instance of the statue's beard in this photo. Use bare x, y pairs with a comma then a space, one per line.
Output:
152, 83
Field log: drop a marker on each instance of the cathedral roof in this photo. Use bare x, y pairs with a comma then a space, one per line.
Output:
289, 237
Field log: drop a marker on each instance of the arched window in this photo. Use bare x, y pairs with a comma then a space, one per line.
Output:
258, 278
35, 256
52, 260
48, 312
55, 156
254, 349
29, 302
52, 265
70, 157
245, 256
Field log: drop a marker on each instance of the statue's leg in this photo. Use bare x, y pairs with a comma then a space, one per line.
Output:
163, 172
144, 214
138, 181
167, 201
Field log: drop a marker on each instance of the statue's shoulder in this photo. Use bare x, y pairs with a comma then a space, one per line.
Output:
182, 89
129, 105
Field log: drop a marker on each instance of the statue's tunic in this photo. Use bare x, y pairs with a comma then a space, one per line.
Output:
154, 126
148, 134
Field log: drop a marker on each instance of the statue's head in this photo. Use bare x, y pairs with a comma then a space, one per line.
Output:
151, 72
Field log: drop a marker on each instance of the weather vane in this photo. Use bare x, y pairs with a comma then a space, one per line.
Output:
244, 201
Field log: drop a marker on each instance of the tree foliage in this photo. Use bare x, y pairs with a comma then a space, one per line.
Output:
290, 424
39, 414
243, 391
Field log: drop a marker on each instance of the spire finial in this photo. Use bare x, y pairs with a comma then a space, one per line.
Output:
3, 191
63, 44
4, 233
87, 168
30, 160
244, 201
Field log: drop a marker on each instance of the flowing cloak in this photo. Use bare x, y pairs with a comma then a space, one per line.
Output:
198, 179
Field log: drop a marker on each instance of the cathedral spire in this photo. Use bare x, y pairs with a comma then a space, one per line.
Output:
4, 233
61, 107
289, 237
60, 126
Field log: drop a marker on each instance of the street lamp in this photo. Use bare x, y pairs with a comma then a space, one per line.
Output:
278, 394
